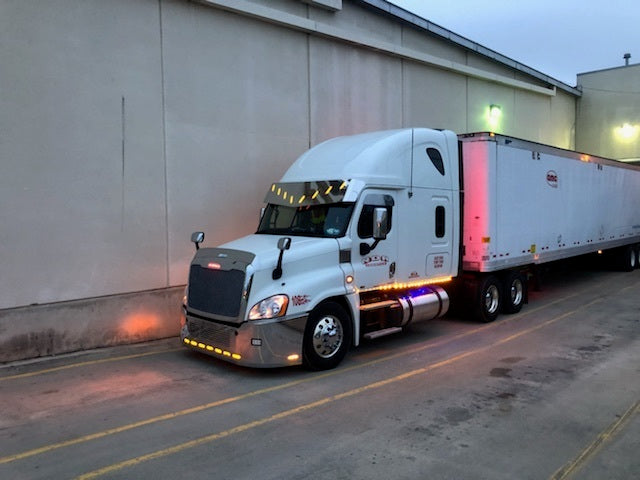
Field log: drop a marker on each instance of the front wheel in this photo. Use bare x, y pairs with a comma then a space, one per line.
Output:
327, 337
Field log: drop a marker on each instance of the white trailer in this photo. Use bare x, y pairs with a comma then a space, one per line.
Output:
368, 233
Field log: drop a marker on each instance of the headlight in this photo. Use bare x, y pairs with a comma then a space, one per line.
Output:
271, 307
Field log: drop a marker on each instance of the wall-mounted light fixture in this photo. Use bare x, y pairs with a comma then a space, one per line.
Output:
494, 116
627, 132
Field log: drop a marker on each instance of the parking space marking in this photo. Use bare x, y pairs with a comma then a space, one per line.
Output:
572, 467
84, 364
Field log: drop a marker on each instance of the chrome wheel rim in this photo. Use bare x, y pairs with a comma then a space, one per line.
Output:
491, 299
327, 336
516, 292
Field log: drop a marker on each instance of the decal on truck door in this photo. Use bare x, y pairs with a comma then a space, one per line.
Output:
552, 179
375, 261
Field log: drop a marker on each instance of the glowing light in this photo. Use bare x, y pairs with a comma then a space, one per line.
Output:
315, 195
213, 265
293, 357
349, 279
585, 158
494, 116
210, 348
328, 190
273, 187
406, 285
279, 191
302, 198
627, 132
343, 185
139, 324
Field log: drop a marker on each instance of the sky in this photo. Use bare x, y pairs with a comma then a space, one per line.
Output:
559, 38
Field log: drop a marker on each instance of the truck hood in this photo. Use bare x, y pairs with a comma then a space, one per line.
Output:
265, 249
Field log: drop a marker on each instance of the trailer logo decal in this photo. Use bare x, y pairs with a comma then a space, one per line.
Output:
552, 179
298, 300
375, 261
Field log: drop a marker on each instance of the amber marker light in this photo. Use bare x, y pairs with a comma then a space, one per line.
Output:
406, 285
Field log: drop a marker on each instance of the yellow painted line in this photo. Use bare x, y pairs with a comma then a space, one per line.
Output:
576, 464
199, 408
294, 411
84, 364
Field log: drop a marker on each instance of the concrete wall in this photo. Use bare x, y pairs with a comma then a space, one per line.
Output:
608, 119
127, 124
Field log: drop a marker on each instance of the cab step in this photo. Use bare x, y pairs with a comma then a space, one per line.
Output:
367, 307
382, 333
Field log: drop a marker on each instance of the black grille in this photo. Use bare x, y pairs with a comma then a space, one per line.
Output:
217, 292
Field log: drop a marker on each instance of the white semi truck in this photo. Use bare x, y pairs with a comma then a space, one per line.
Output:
366, 234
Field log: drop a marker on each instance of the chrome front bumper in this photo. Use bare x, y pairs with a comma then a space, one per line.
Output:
256, 343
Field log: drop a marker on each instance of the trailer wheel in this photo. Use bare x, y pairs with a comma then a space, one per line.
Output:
627, 258
327, 337
488, 299
515, 291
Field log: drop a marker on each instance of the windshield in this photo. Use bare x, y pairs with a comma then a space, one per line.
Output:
328, 220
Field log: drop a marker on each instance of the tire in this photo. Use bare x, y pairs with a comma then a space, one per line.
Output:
637, 249
514, 293
488, 299
327, 337
627, 258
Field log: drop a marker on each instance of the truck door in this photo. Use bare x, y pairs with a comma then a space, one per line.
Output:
377, 266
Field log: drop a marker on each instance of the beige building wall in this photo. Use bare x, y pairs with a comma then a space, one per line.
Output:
127, 124
608, 114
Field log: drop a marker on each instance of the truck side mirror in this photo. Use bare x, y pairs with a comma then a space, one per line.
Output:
283, 244
197, 238
380, 229
380, 223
